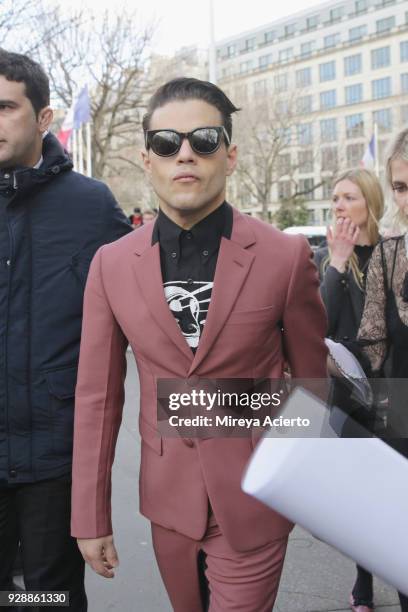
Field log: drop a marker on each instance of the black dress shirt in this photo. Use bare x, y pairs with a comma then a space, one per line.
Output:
188, 260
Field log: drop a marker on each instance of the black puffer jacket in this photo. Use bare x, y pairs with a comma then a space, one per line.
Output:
52, 220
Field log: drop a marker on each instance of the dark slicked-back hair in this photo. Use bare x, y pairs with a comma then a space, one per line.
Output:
188, 88
22, 69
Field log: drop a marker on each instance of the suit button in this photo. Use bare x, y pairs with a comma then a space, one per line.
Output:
192, 381
345, 338
13, 473
188, 442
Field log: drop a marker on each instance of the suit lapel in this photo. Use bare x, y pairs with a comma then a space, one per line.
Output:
147, 270
233, 265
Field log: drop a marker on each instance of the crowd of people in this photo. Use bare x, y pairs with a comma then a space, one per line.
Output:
200, 290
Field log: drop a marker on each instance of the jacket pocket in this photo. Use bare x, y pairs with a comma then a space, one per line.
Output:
151, 436
61, 387
260, 315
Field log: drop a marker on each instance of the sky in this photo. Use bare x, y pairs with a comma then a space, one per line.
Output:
186, 22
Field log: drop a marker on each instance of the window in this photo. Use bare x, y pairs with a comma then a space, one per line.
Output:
331, 40
357, 33
289, 30
246, 67
250, 44
260, 87
353, 64
265, 61
381, 88
404, 51
404, 113
306, 49
304, 133
327, 190
354, 125
231, 50
285, 54
282, 108
385, 25
329, 159
306, 188
354, 154
380, 58
284, 135
336, 14
354, 93
404, 83
361, 6
284, 190
383, 118
281, 82
303, 77
305, 161
328, 99
283, 164
269, 37
304, 105
312, 22
327, 71
328, 130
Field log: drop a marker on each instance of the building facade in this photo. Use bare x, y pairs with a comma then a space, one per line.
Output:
346, 65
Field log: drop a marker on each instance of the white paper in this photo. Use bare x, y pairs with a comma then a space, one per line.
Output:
347, 491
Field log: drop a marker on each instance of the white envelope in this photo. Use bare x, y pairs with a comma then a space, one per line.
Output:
351, 493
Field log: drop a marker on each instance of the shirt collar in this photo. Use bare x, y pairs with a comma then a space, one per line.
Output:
38, 164
207, 232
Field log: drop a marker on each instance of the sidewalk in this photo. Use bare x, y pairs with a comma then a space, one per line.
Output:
316, 578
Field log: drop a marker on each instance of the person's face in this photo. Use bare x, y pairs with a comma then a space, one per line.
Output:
148, 216
349, 203
20, 130
399, 178
189, 186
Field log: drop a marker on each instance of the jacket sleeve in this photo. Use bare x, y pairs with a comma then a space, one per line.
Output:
116, 224
304, 319
333, 289
373, 327
98, 409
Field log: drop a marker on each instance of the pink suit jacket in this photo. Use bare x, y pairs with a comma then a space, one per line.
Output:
263, 277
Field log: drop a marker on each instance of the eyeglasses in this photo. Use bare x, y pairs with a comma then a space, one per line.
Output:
204, 140
400, 188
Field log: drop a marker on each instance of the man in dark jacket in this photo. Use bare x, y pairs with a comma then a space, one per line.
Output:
52, 220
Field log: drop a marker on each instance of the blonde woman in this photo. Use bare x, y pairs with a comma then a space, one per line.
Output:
358, 205
384, 324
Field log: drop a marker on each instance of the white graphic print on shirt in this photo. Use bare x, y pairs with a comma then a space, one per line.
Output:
189, 304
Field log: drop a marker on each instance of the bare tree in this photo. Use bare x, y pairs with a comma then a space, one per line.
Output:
17, 18
109, 53
274, 152
264, 132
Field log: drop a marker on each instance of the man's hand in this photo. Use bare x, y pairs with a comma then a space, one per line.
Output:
100, 554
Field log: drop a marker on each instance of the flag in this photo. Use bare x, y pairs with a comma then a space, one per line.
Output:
82, 111
78, 113
368, 160
66, 128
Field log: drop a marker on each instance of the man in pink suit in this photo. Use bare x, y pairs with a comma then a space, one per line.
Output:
204, 292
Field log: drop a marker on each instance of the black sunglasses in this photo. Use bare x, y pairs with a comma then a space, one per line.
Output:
204, 140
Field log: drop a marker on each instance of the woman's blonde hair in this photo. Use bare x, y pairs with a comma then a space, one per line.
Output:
370, 187
398, 149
